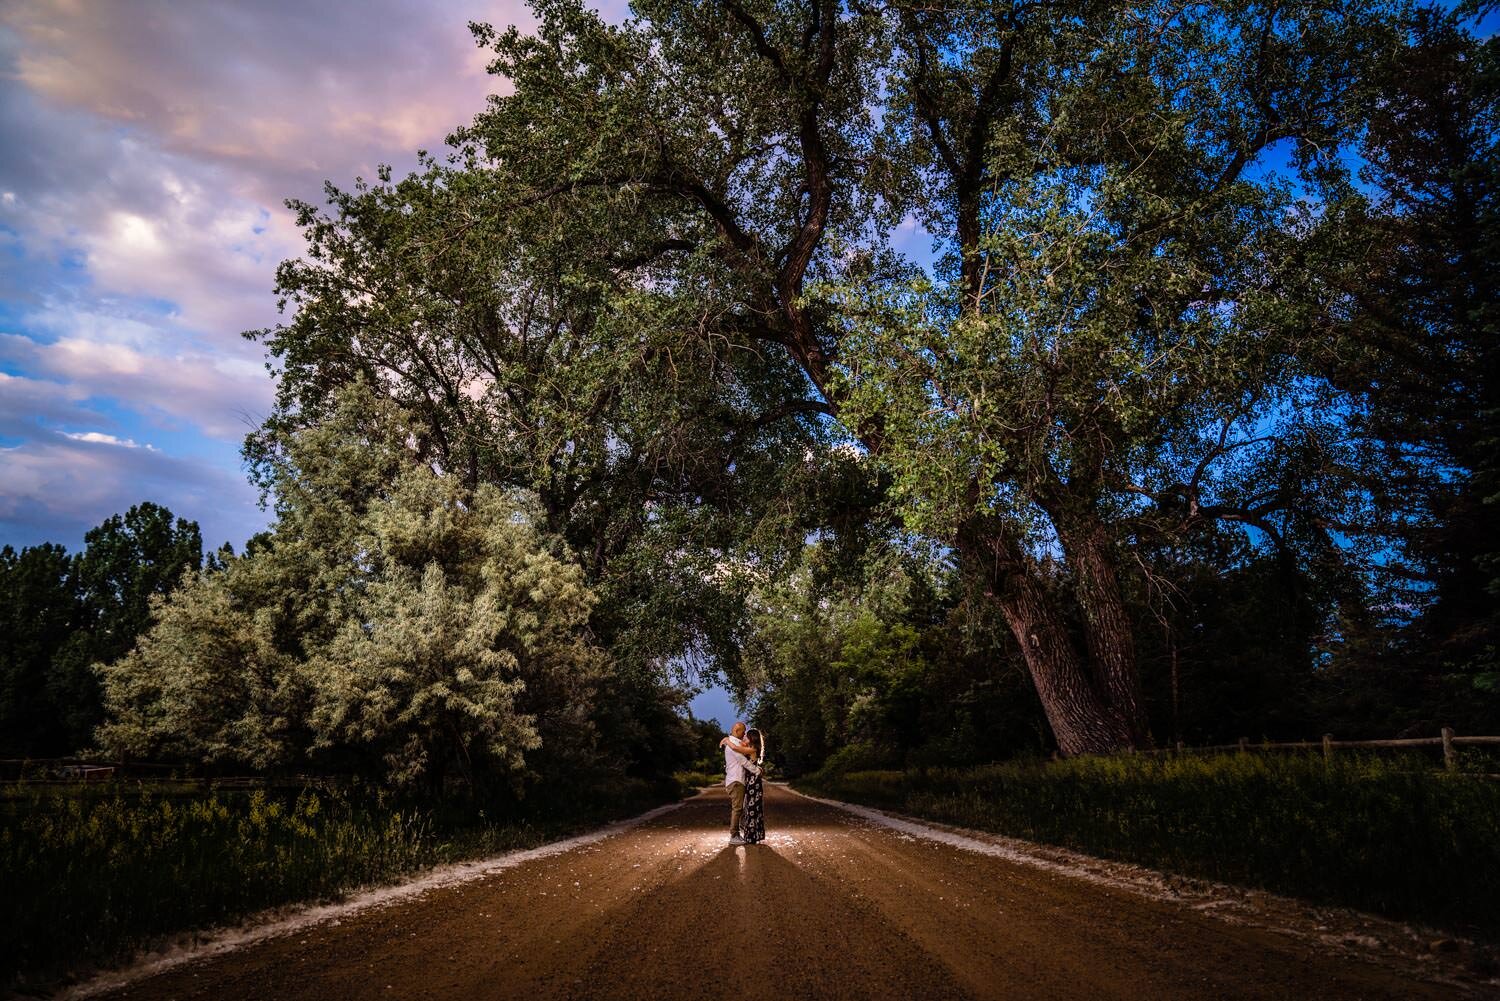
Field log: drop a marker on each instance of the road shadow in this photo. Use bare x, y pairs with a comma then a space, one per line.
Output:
751, 921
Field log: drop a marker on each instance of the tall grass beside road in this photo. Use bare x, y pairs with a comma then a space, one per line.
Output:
1387, 835
87, 875
693, 781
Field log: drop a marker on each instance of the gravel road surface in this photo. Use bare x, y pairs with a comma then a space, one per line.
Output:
832, 905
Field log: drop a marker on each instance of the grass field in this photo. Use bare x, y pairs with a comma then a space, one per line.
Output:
1387, 835
92, 873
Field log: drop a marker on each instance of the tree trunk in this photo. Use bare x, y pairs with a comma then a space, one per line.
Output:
1107, 628
1083, 716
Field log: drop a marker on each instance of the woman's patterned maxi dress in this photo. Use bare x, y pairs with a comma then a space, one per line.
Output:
755, 815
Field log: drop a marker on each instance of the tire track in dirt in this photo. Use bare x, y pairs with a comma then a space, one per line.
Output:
831, 906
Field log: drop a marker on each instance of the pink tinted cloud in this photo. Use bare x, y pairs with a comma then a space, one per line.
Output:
223, 395
280, 90
152, 142
163, 137
156, 141
211, 254
24, 401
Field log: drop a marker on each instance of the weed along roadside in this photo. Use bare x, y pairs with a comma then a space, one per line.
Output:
93, 875
1391, 836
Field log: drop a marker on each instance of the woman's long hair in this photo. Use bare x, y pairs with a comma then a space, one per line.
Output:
753, 736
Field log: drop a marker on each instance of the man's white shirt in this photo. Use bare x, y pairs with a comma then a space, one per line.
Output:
735, 766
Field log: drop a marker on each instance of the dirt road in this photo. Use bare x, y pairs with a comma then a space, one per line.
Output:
831, 906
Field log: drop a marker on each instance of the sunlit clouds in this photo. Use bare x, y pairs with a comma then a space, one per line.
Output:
146, 150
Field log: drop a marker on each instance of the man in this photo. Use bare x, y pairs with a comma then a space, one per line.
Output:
737, 754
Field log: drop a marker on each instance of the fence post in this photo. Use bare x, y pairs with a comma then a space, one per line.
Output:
1244, 745
1327, 747
1450, 755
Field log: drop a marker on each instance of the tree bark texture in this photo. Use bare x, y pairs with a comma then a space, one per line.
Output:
1107, 629
1090, 701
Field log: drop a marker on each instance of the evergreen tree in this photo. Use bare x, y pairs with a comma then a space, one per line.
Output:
1420, 352
39, 610
125, 562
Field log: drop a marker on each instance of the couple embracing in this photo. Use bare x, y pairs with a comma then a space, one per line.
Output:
744, 757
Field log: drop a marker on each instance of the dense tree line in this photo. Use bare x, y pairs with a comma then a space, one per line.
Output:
64, 613
1186, 430
1419, 351
1393, 631
391, 624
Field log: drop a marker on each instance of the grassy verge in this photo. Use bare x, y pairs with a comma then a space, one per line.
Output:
90, 877
1381, 835
693, 781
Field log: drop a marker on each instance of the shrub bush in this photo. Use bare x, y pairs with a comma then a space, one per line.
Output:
858, 758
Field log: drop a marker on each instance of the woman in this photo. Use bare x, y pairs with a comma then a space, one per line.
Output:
754, 826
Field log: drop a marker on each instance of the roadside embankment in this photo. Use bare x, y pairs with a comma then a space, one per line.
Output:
1389, 836
91, 875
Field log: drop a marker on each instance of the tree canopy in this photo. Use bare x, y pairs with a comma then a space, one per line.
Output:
1109, 348
858, 353
65, 613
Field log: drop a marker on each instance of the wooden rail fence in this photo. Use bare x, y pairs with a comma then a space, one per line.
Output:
68, 771
76, 771
1449, 741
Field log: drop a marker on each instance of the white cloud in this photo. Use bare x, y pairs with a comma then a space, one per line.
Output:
100, 438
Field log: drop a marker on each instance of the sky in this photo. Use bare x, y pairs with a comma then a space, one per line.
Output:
715, 703
146, 149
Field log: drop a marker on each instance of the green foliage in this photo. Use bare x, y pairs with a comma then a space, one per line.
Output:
859, 757
91, 877
436, 654
535, 351
64, 614
209, 682
125, 562
1230, 640
392, 617
1116, 343
656, 283
1387, 835
39, 609
1419, 349
693, 781
881, 664
707, 756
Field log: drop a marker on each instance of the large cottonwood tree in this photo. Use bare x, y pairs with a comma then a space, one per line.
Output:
539, 349
1108, 342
